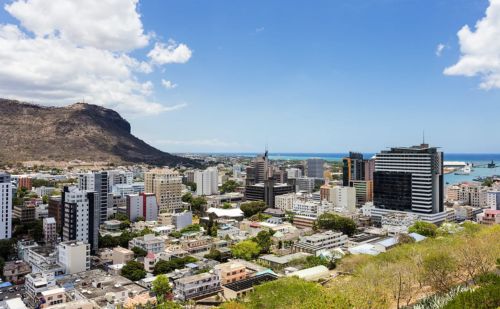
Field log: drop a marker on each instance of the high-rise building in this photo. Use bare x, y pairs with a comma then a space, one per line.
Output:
306, 184
97, 182
410, 179
73, 256
55, 211
267, 191
80, 217
49, 230
493, 199
166, 184
142, 205
364, 191
207, 181
356, 168
315, 168
24, 182
343, 197
258, 171
5, 206
294, 172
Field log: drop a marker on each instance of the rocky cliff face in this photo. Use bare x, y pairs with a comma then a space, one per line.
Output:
79, 131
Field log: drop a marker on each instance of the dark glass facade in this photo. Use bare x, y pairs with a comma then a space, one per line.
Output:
392, 190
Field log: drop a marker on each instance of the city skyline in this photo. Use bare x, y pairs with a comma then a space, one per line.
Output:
202, 77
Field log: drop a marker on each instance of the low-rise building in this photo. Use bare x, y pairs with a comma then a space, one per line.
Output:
122, 255
230, 272
280, 262
53, 297
49, 230
15, 271
321, 241
148, 242
489, 217
197, 286
240, 289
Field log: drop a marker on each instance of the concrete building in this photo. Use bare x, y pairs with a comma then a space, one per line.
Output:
409, 179
166, 184
122, 255
315, 168
305, 184
49, 230
97, 182
148, 243
294, 173
305, 208
240, 289
493, 199
53, 297
321, 241
81, 216
267, 191
364, 191
5, 206
24, 182
285, 201
197, 286
230, 272
15, 271
25, 213
73, 256
142, 205
35, 284
55, 211
182, 219
259, 170
489, 217
343, 197
206, 181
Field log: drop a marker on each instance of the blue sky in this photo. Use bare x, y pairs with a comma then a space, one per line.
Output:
311, 76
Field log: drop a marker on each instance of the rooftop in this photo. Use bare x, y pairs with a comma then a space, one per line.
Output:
248, 283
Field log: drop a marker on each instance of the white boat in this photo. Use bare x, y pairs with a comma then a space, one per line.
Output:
466, 170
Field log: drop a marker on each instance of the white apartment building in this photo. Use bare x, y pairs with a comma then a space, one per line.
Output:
36, 283
149, 243
305, 184
493, 199
49, 230
294, 173
285, 201
182, 219
142, 205
5, 206
206, 181
120, 177
343, 197
73, 256
305, 208
166, 184
321, 241
196, 286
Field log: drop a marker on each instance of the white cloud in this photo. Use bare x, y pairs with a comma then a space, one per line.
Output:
439, 49
168, 84
112, 24
77, 50
170, 53
480, 49
260, 29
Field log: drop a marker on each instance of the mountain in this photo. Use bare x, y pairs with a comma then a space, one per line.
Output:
79, 131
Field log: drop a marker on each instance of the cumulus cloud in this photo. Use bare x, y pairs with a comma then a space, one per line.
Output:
168, 84
66, 51
170, 53
439, 49
480, 49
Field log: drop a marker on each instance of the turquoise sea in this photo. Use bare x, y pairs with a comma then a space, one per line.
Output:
474, 158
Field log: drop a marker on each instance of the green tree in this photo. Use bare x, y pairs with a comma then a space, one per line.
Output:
263, 239
191, 228
191, 185
214, 254
139, 252
187, 197
161, 287
107, 241
229, 186
163, 266
6, 248
197, 204
226, 205
45, 199
439, 270
405, 239
246, 249
252, 208
423, 228
133, 271
329, 221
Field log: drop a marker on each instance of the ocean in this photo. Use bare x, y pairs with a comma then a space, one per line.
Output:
474, 158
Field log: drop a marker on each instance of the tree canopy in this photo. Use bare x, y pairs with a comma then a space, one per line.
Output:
252, 208
161, 286
329, 221
133, 271
229, 186
163, 266
247, 249
423, 228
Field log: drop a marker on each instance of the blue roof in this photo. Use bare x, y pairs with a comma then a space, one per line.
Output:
192, 265
5, 284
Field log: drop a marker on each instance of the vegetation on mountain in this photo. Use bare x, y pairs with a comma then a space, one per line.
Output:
102, 132
423, 228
